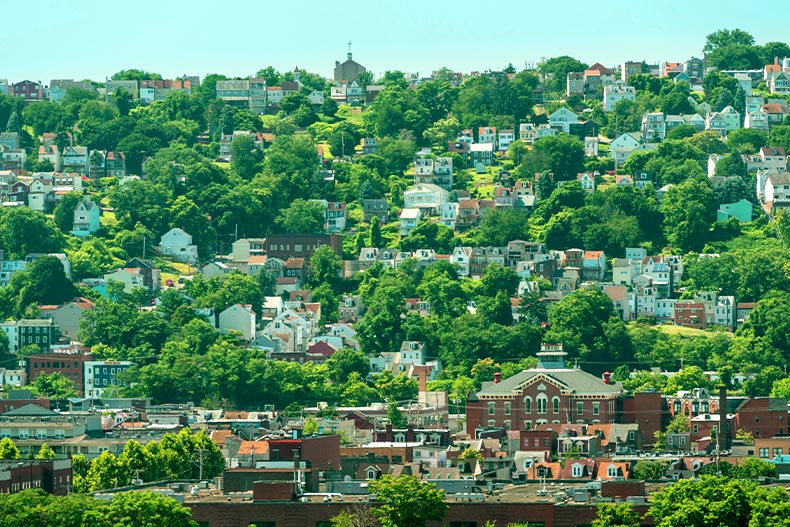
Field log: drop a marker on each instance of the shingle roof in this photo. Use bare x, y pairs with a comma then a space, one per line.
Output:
577, 381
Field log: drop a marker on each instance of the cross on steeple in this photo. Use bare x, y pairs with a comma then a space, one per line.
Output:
349, 49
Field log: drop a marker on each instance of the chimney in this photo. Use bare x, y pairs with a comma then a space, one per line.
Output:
606, 377
497, 378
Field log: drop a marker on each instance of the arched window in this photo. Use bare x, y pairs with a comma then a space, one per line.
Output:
542, 403
555, 404
528, 404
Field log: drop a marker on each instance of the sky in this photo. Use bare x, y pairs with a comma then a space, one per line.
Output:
78, 39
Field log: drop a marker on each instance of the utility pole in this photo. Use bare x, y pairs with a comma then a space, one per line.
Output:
200, 461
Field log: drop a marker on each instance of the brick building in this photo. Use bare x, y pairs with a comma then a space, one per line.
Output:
70, 364
551, 393
300, 245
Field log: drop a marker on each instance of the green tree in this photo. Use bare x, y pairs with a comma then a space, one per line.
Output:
45, 452
132, 509
24, 231
727, 37
407, 502
244, 156
649, 470
8, 449
302, 216
55, 386
564, 153
616, 515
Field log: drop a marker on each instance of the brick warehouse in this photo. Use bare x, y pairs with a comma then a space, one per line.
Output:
293, 514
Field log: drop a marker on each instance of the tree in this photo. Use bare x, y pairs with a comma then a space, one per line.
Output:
302, 217
55, 386
64, 210
649, 470
244, 156
746, 140
557, 68
727, 37
8, 449
720, 501
24, 231
616, 515
564, 153
45, 452
151, 509
325, 267
407, 502
346, 361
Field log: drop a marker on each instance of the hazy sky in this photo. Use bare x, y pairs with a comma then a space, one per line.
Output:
50, 39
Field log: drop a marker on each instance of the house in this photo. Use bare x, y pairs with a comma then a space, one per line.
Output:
741, 210
370, 145
423, 167
335, 216
105, 164
777, 191
425, 197
562, 118
529, 133
377, 208
469, 214
27, 90
623, 180
654, 126
575, 83
86, 218
593, 266
100, 375
67, 317
481, 155
240, 319
244, 248
76, 159
505, 138
408, 220
50, 153
487, 134
443, 172
350, 308
111, 86
587, 181
177, 244
616, 92
448, 214
622, 147
757, 120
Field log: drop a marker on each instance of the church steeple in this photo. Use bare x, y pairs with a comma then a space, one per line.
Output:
349, 50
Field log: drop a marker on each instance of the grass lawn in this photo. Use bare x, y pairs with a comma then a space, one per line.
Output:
671, 329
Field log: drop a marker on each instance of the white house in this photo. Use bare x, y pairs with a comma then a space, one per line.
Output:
425, 196
86, 218
506, 137
449, 214
562, 119
616, 92
178, 245
239, 318
623, 146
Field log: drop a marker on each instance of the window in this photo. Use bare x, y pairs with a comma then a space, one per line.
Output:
41, 433
6, 434
491, 408
507, 408
528, 405
577, 470
542, 403
60, 434
763, 453
506, 424
696, 429
612, 471
579, 407
596, 408
23, 433
777, 451
555, 405
491, 423
527, 425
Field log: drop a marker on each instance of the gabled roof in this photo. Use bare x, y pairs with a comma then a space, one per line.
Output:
29, 410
